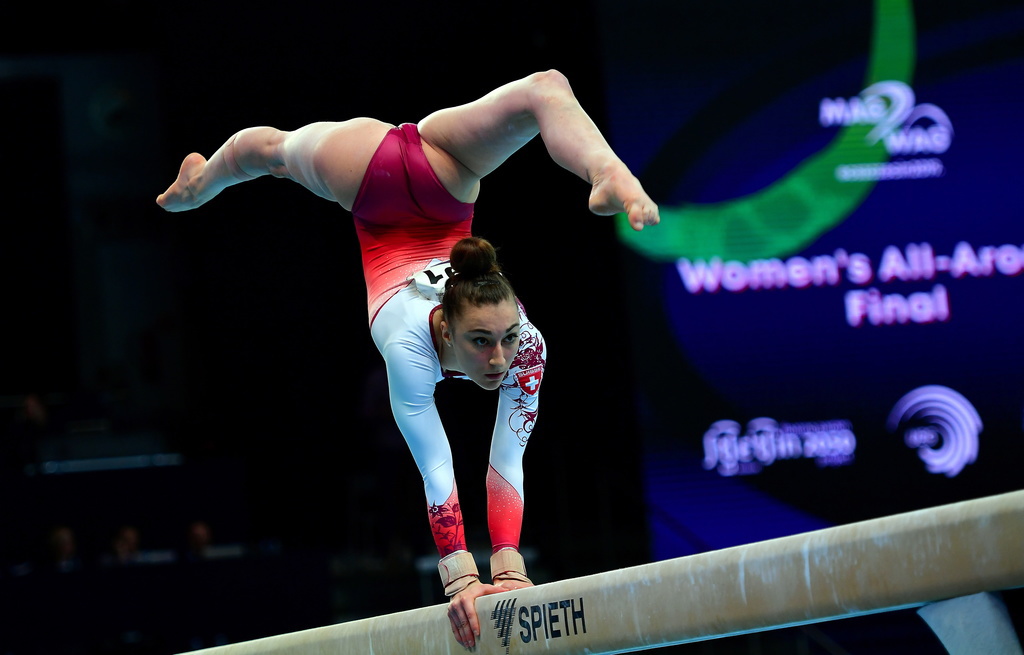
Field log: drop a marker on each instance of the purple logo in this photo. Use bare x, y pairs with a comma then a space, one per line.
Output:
941, 424
732, 450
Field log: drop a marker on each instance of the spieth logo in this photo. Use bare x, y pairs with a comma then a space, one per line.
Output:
905, 128
941, 424
547, 621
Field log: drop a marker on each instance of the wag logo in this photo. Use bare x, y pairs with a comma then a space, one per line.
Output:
544, 622
907, 129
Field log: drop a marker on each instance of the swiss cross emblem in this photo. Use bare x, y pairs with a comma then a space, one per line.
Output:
529, 379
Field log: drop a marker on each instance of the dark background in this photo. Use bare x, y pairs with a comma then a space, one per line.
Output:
235, 337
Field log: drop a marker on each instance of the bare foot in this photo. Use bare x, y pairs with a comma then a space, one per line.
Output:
617, 190
180, 196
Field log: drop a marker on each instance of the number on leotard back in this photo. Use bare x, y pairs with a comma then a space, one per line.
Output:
430, 281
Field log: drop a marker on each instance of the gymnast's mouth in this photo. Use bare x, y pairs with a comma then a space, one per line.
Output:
496, 376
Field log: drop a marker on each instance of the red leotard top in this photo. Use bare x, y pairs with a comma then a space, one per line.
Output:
404, 216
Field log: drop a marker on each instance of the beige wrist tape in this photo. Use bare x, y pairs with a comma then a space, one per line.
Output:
508, 564
457, 571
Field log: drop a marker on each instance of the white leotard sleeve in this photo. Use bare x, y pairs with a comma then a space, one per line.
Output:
401, 331
517, 405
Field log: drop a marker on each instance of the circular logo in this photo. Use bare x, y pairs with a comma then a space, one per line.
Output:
941, 424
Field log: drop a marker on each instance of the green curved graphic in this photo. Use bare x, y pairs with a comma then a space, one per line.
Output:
804, 204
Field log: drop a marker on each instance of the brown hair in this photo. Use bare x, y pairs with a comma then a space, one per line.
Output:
476, 279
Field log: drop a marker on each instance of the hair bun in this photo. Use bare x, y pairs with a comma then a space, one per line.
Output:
474, 257
477, 280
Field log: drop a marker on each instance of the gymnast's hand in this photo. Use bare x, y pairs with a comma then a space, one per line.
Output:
462, 612
617, 190
512, 585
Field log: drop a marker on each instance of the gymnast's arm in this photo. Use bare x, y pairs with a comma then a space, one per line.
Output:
411, 379
482, 134
329, 159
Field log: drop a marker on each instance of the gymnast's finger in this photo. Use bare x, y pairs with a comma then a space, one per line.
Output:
461, 628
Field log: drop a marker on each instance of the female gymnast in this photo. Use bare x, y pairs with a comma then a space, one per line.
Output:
438, 303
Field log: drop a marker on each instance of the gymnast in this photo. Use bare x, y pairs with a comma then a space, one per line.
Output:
438, 304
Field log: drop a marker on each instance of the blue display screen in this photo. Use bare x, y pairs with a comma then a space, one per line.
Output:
827, 322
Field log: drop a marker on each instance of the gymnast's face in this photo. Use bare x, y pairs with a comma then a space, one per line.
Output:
482, 342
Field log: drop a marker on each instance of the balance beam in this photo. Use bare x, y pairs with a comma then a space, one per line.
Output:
892, 563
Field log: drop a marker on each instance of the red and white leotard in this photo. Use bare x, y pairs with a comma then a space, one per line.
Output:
406, 220
404, 216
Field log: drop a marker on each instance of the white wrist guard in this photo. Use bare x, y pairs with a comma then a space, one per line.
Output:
508, 564
458, 570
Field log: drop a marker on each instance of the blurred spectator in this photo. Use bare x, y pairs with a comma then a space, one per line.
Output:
32, 421
35, 414
198, 539
61, 550
199, 544
124, 547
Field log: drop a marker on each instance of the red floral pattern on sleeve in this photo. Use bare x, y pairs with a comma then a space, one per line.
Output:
446, 525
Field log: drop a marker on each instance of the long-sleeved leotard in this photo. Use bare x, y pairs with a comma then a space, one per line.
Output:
406, 220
